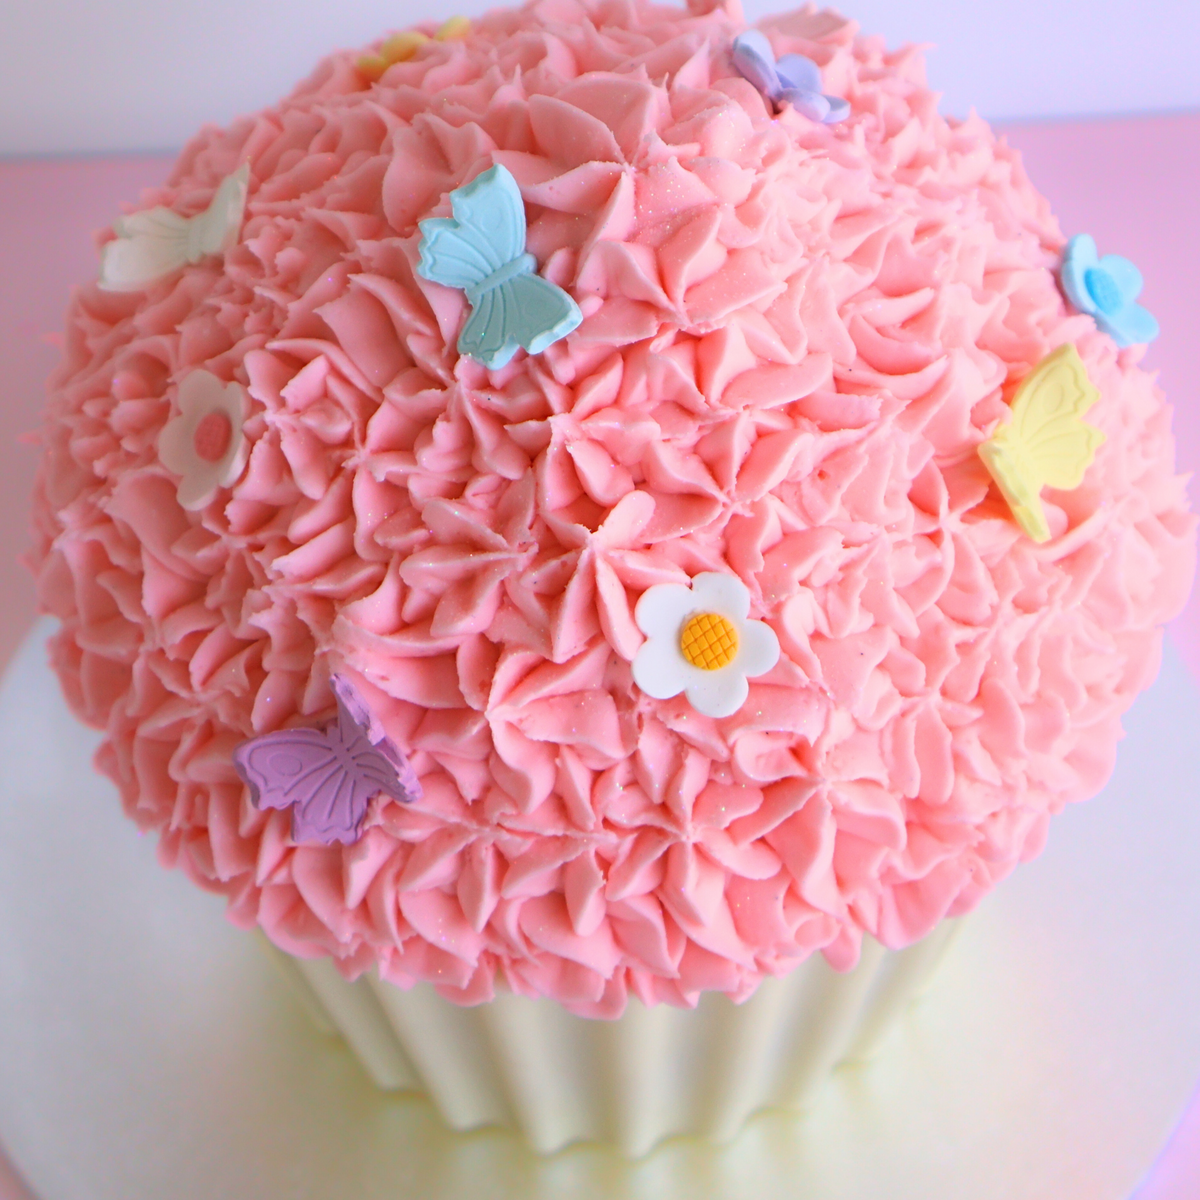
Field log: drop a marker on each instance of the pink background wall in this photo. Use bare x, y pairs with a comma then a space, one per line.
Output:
1132, 183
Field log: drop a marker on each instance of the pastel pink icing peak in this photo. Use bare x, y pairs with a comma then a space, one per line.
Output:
795, 338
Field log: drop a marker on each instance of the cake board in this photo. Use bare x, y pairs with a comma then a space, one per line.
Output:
150, 1052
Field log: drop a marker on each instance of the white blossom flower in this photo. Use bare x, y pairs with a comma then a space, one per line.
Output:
204, 445
700, 642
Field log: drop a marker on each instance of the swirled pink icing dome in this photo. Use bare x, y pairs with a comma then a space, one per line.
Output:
795, 338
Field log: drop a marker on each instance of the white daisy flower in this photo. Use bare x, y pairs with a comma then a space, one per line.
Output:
699, 641
204, 445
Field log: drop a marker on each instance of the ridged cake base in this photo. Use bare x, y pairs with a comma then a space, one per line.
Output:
557, 1078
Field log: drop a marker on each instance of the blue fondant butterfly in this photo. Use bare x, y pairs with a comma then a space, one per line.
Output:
481, 249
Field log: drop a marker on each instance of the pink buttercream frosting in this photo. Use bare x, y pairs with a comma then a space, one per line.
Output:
795, 338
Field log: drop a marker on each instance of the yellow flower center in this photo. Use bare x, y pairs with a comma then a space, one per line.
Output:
709, 641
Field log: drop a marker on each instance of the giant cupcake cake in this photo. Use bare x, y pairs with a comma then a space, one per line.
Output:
585, 506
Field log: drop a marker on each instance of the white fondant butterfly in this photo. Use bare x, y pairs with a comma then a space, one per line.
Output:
153, 244
481, 249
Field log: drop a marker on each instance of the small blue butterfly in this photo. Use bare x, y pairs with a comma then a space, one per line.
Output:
793, 80
481, 249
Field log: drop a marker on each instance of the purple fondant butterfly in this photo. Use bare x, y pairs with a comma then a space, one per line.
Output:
793, 80
327, 776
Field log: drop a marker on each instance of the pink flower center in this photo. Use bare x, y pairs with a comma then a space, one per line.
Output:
212, 437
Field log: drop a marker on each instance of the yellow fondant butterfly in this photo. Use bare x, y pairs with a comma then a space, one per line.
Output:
1047, 443
400, 47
